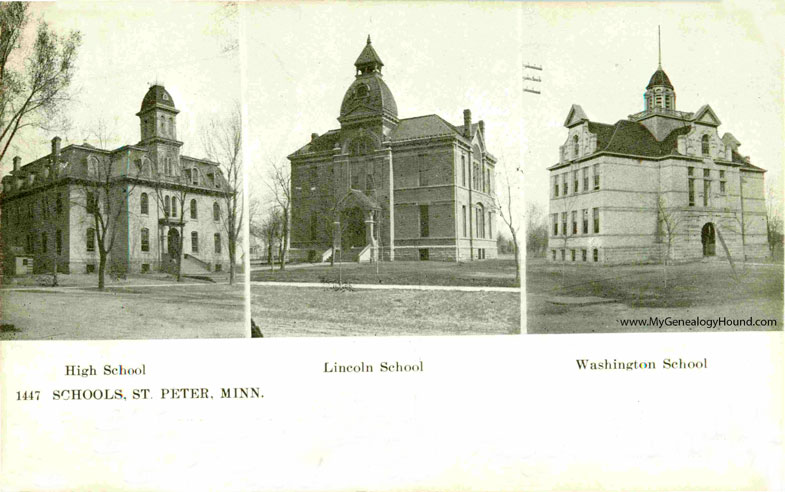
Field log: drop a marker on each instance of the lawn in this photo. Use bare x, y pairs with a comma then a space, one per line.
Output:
493, 273
190, 310
300, 311
706, 290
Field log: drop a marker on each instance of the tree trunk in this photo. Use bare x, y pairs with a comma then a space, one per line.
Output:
284, 239
101, 270
517, 260
54, 272
231, 262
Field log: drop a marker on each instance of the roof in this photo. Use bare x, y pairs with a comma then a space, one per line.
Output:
368, 94
430, 125
157, 95
659, 78
319, 144
368, 55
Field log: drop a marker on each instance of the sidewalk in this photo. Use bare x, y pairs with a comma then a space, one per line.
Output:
390, 287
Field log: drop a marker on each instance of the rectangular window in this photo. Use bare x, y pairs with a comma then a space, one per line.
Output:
90, 239
596, 216
722, 182
490, 226
563, 257
572, 254
355, 181
424, 221
575, 222
217, 240
596, 254
575, 181
90, 202
706, 192
707, 173
194, 242
555, 186
422, 171
555, 221
463, 170
565, 184
553, 254
585, 179
145, 239
59, 242
690, 171
424, 254
145, 268
596, 170
463, 208
585, 220
564, 224
583, 254
691, 191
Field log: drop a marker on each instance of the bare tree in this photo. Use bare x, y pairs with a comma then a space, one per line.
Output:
563, 208
104, 195
222, 141
505, 205
34, 82
270, 230
536, 230
280, 184
669, 223
171, 195
774, 224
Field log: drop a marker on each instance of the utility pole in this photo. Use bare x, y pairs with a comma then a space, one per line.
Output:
531, 79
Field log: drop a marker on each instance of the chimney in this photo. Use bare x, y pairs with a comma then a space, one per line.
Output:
314, 136
17, 160
467, 122
482, 128
56, 147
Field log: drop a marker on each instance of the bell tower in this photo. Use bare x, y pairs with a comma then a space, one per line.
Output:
659, 93
158, 127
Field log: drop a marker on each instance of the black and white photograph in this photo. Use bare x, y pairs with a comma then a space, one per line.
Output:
653, 172
384, 196
122, 179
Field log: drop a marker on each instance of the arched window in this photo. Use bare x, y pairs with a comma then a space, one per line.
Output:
194, 214
90, 239
145, 239
216, 212
575, 146
166, 206
92, 167
480, 220
705, 145
194, 242
174, 207
217, 239
144, 204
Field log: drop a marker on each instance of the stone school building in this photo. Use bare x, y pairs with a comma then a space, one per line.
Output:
384, 187
46, 204
661, 183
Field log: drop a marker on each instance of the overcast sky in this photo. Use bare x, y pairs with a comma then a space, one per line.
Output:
727, 55
125, 48
438, 58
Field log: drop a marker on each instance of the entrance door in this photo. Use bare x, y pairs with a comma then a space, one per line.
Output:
353, 225
708, 239
173, 242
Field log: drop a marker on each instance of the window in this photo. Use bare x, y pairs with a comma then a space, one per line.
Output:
167, 203
174, 207
553, 254
691, 191
596, 170
575, 181
194, 176
217, 241
145, 268
706, 192
705, 145
145, 239
585, 220
463, 170
583, 254
424, 221
565, 185
90, 202
596, 255
44, 242
488, 181
218, 267
480, 216
369, 183
463, 208
422, 170
45, 207
59, 242
216, 212
575, 147
423, 254
194, 209
355, 181
490, 226
572, 254
706, 173
194, 242
596, 215
90, 240
555, 221
585, 179
722, 182
563, 255
690, 171
564, 224
575, 222
313, 178
556, 186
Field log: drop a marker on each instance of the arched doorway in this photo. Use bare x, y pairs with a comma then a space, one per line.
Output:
353, 228
708, 239
173, 242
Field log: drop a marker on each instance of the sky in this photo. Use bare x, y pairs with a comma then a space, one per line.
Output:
127, 47
438, 59
601, 56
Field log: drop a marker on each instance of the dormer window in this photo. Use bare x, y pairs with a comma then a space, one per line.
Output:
194, 176
575, 147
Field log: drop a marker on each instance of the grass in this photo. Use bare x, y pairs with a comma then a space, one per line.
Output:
493, 273
696, 289
297, 311
127, 312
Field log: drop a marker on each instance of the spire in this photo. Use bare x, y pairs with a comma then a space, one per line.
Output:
368, 61
659, 48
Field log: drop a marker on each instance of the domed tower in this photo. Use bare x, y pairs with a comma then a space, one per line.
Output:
659, 93
368, 100
158, 124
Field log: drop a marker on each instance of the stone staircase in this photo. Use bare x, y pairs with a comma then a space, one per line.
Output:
192, 265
